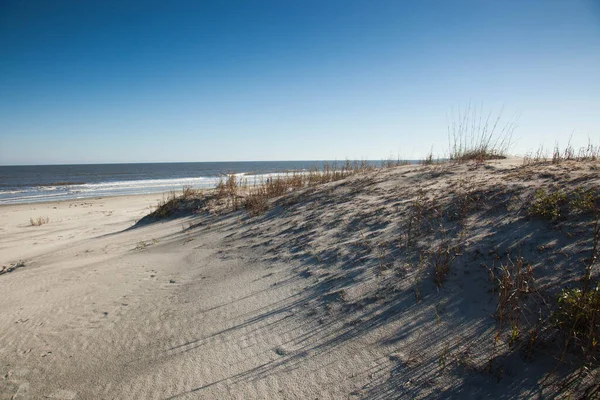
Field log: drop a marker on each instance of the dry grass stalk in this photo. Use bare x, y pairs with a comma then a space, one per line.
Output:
590, 152
474, 136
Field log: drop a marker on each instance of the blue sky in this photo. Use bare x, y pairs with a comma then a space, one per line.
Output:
117, 81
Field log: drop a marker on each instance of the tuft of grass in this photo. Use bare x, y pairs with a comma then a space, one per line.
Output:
428, 160
39, 221
515, 281
166, 207
189, 199
476, 136
391, 162
443, 257
547, 205
578, 318
590, 152
232, 193
257, 201
552, 205
539, 157
584, 201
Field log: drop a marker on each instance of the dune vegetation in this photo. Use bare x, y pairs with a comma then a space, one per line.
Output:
481, 268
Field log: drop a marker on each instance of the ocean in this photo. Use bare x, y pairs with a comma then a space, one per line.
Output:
39, 183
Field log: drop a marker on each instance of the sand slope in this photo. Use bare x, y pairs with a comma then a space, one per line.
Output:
321, 297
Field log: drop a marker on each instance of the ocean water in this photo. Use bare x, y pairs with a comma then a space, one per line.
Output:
31, 184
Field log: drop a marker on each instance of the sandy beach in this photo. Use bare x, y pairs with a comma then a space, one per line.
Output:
311, 200
101, 310
319, 297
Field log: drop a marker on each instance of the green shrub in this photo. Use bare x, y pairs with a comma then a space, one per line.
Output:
547, 205
578, 317
583, 201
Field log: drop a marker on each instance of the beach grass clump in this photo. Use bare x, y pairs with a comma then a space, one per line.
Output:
257, 201
394, 162
232, 192
443, 257
39, 221
428, 160
540, 156
547, 205
514, 282
577, 317
588, 153
584, 200
476, 136
577, 312
166, 207
230, 189
189, 200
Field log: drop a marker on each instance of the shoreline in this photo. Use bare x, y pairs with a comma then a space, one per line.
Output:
117, 196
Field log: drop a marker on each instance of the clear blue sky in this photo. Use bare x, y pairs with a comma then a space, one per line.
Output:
86, 81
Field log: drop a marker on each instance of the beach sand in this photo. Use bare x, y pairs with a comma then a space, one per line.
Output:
101, 310
316, 298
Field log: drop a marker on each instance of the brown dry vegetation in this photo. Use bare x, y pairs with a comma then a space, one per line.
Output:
39, 221
590, 152
233, 193
477, 136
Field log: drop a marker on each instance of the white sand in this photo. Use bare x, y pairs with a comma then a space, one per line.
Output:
313, 299
90, 316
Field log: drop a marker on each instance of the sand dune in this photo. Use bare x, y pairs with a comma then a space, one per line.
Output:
321, 297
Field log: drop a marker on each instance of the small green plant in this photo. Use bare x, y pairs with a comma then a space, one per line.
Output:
584, 201
531, 341
547, 205
578, 317
515, 333
39, 221
514, 284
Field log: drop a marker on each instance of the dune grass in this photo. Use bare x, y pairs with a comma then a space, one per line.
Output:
233, 193
174, 203
474, 135
558, 155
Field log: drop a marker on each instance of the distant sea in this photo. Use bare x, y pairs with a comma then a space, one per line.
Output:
32, 184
